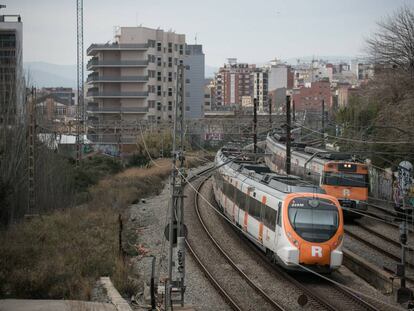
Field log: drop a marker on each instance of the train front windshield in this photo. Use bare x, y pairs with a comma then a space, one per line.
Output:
314, 219
345, 179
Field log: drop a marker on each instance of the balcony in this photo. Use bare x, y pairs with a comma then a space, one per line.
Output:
94, 62
97, 94
95, 48
97, 110
107, 79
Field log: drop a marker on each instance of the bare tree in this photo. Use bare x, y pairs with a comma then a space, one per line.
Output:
393, 42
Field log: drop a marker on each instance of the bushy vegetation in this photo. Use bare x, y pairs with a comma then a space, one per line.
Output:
58, 255
61, 255
90, 171
382, 111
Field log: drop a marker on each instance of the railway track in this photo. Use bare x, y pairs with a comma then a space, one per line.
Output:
235, 284
327, 295
383, 245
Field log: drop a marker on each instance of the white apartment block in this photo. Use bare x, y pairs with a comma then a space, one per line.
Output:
133, 79
260, 89
11, 66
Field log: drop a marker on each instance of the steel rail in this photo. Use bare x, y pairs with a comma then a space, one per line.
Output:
276, 305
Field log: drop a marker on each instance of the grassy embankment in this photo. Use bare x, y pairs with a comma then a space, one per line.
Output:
61, 255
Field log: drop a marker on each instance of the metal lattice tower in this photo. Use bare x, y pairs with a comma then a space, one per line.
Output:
80, 113
176, 283
31, 207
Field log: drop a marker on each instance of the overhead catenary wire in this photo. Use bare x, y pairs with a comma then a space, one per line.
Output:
356, 140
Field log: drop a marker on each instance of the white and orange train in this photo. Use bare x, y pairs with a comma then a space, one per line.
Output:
294, 222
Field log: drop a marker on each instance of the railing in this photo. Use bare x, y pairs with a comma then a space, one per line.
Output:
117, 109
117, 94
115, 46
116, 63
111, 139
95, 78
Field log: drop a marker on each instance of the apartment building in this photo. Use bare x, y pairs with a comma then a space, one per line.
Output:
194, 81
233, 83
260, 89
280, 76
133, 79
11, 67
310, 96
65, 95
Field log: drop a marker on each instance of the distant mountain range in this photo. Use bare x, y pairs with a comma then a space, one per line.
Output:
42, 74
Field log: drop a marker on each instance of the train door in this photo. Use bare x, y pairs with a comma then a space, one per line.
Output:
262, 218
278, 227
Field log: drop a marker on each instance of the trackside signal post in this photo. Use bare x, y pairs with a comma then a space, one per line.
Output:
176, 229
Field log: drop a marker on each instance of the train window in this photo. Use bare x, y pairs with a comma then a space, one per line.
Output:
240, 199
254, 207
269, 217
345, 179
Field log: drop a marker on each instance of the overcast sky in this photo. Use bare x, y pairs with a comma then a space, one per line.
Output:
251, 30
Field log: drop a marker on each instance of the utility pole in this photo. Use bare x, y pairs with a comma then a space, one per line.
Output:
31, 206
405, 169
323, 119
255, 125
80, 112
288, 134
270, 113
293, 111
176, 228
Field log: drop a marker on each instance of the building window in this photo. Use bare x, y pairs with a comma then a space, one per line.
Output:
181, 49
169, 47
151, 58
151, 89
169, 61
159, 46
170, 91
159, 90
187, 67
159, 61
187, 108
175, 61
158, 75
170, 76
181, 62
151, 43
151, 73
170, 106
187, 80
158, 118
159, 106
176, 47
